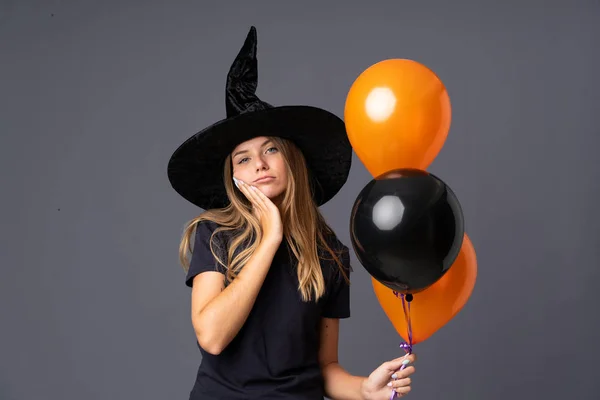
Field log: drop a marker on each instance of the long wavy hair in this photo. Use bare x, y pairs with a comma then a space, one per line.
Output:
305, 229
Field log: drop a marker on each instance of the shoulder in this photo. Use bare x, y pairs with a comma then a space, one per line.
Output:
209, 250
208, 229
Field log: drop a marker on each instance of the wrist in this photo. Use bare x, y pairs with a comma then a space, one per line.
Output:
272, 239
363, 391
270, 242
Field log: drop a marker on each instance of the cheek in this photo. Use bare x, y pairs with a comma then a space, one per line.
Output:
282, 171
241, 173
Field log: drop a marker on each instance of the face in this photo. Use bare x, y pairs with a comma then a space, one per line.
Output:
260, 163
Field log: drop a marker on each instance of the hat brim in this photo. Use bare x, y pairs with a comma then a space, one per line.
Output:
195, 169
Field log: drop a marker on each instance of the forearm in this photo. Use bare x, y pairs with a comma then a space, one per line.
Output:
223, 317
341, 385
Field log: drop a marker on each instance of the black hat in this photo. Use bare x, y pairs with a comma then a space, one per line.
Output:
195, 169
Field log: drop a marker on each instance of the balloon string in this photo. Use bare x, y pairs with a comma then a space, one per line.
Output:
407, 346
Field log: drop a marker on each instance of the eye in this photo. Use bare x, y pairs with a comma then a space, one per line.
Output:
272, 149
242, 160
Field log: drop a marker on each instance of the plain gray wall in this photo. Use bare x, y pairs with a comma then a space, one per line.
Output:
95, 96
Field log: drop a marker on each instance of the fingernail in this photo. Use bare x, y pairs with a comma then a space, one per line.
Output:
389, 384
405, 362
395, 376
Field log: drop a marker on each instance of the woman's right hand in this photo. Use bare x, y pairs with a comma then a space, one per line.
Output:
267, 212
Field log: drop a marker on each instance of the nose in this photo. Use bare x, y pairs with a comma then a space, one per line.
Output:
261, 164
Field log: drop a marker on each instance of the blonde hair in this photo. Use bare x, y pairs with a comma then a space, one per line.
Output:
305, 229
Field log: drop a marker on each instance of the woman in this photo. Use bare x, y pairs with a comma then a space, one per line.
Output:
269, 278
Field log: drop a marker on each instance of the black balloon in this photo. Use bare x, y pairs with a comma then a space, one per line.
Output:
407, 229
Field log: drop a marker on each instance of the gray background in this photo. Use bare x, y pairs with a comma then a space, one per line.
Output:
95, 96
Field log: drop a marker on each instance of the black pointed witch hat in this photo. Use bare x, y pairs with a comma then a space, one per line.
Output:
195, 169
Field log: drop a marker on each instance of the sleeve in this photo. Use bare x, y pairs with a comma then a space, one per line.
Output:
202, 258
337, 302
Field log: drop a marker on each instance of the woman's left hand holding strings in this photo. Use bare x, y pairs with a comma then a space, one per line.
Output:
388, 377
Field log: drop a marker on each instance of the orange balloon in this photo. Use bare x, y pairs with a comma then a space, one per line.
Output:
397, 115
435, 306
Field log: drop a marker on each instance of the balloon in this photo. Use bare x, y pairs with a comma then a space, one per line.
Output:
406, 228
435, 306
397, 115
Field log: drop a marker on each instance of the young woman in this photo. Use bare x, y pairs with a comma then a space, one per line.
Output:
269, 278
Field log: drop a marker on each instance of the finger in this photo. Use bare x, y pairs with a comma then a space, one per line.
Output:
403, 373
267, 201
248, 192
238, 183
260, 193
394, 365
259, 200
399, 383
386, 371
403, 390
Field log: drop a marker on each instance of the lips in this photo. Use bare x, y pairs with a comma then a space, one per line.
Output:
264, 179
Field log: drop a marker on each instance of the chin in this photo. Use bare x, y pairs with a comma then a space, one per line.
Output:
273, 194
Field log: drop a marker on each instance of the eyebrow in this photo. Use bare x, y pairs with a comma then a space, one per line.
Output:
245, 151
